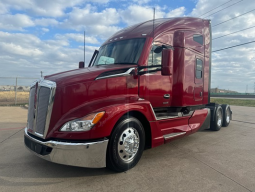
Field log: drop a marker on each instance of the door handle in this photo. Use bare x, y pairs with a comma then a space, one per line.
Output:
167, 96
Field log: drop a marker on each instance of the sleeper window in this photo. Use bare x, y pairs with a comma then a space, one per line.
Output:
199, 68
198, 39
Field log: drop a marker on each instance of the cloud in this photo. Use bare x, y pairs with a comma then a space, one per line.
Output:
99, 24
47, 8
88, 16
46, 22
136, 14
140, 2
78, 37
27, 55
176, 12
231, 68
3, 9
15, 22
45, 30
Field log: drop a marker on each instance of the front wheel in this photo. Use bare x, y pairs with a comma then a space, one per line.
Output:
126, 145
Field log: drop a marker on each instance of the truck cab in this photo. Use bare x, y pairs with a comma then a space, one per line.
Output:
147, 85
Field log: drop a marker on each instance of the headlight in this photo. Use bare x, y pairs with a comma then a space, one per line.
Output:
83, 124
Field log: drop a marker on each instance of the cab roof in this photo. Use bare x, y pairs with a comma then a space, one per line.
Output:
145, 29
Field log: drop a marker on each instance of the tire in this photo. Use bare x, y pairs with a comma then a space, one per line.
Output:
218, 120
126, 145
226, 115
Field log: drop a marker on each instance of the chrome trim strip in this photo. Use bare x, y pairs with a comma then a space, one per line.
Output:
90, 154
153, 112
166, 117
35, 108
189, 114
170, 117
52, 85
33, 84
127, 73
171, 135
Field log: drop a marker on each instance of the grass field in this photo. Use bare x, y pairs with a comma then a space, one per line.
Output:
237, 102
8, 97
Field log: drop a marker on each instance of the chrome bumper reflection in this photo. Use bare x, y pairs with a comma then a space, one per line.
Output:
91, 154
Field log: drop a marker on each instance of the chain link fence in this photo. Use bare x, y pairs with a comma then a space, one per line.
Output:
15, 90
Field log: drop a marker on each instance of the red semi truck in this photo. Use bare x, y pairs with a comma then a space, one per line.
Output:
147, 85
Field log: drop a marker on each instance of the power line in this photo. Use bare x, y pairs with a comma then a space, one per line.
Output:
223, 8
233, 18
233, 33
215, 8
234, 46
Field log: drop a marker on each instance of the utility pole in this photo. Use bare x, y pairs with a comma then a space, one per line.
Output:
16, 91
84, 48
41, 74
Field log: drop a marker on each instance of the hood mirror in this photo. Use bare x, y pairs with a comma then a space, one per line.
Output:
81, 64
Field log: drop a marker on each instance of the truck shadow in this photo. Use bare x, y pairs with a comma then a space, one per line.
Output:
37, 172
54, 170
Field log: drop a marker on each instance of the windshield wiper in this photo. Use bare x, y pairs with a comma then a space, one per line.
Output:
125, 63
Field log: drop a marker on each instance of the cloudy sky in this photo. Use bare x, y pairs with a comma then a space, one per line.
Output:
48, 35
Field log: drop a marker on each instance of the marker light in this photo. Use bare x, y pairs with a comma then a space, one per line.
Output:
84, 123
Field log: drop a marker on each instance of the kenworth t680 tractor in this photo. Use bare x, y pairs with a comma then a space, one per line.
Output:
147, 85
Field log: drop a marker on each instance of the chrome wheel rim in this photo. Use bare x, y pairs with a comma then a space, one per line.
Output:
228, 116
128, 144
219, 115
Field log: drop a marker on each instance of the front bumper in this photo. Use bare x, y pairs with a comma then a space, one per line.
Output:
90, 154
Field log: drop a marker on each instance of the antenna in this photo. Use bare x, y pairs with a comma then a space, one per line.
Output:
153, 35
84, 48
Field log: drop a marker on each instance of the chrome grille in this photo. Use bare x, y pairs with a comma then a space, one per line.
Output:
40, 106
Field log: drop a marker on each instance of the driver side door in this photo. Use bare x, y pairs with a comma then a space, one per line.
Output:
153, 86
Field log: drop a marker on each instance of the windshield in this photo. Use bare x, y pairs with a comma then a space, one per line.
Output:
120, 52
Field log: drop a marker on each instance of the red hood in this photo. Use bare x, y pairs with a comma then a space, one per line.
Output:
81, 75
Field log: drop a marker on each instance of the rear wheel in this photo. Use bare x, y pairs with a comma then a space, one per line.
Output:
217, 123
226, 115
126, 145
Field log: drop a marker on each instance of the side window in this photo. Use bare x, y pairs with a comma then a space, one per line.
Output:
199, 68
156, 56
198, 39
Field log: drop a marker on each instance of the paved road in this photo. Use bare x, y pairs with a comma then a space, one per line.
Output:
205, 161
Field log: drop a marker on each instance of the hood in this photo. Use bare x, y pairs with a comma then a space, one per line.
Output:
83, 74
